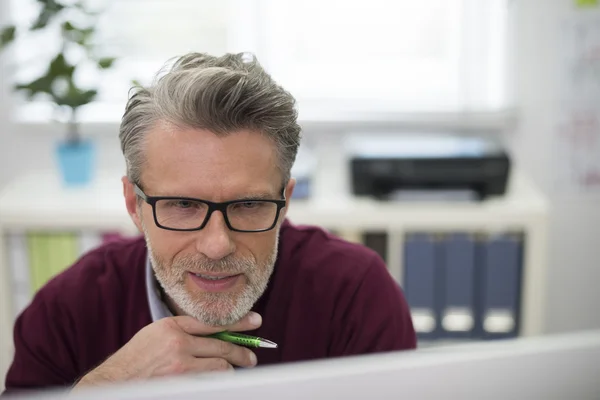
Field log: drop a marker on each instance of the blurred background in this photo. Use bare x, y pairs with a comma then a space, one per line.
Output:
458, 138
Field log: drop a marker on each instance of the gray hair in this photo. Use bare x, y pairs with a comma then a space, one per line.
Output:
220, 94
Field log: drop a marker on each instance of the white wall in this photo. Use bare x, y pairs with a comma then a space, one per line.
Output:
574, 267
574, 259
4, 111
22, 151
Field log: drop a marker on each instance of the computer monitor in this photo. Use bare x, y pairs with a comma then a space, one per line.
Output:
565, 366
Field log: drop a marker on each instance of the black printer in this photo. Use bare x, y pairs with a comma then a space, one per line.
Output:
384, 166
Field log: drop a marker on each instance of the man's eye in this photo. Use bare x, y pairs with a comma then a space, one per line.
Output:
246, 206
183, 204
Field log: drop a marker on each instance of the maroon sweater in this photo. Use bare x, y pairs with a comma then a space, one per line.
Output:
326, 298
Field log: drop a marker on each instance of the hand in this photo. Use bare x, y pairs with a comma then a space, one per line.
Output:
174, 346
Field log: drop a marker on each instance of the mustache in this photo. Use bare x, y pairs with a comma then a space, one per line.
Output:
202, 264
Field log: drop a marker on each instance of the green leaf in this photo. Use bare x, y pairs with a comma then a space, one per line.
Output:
50, 9
77, 35
40, 85
75, 97
60, 67
67, 26
7, 35
69, 31
84, 36
106, 62
88, 96
72, 33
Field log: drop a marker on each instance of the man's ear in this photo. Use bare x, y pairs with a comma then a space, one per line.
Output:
289, 190
131, 202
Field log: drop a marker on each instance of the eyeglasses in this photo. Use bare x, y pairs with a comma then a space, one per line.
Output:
189, 214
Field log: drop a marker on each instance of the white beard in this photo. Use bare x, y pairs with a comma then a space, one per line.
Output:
214, 309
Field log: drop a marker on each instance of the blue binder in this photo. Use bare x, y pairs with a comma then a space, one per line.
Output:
501, 286
458, 297
419, 283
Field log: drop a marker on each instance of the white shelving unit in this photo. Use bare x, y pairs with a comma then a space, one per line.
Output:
38, 202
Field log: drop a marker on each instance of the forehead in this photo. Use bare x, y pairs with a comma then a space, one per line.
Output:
198, 163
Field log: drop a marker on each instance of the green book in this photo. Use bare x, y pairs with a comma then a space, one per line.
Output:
67, 251
36, 256
50, 253
44, 271
53, 251
62, 252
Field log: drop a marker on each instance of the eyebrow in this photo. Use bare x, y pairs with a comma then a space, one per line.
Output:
257, 196
247, 196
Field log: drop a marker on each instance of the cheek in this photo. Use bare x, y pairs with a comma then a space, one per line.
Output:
260, 245
165, 244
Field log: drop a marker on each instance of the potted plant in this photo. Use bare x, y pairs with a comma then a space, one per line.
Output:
76, 155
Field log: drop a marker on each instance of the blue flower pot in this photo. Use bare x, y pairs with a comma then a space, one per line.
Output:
76, 162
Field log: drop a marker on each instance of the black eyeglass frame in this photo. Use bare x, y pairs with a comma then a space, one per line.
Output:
212, 206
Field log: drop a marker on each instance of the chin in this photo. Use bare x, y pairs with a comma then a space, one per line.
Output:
216, 308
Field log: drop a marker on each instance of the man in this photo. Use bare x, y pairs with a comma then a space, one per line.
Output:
209, 149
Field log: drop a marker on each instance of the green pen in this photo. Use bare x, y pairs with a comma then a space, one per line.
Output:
243, 340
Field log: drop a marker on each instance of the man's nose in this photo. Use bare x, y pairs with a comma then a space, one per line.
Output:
214, 241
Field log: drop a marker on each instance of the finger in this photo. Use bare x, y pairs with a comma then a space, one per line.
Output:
192, 326
250, 322
202, 347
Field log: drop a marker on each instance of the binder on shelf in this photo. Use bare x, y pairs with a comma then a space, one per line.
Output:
500, 284
49, 254
66, 251
36, 255
377, 241
457, 259
18, 263
419, 283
